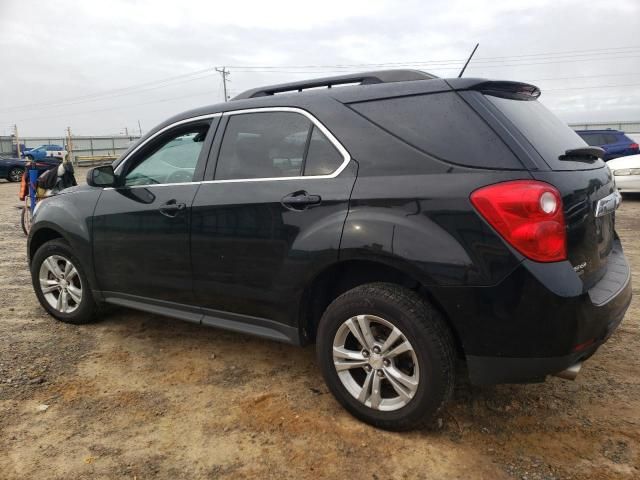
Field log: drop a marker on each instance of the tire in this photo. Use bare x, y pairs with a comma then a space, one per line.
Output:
428, 359
15, 174
29, 157
80, 308
25, 219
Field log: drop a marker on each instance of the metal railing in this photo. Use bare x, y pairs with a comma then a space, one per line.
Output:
92, 160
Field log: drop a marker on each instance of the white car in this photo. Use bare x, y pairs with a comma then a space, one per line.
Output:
626, 171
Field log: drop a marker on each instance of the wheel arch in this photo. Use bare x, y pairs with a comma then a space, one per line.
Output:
344, 275
40, 237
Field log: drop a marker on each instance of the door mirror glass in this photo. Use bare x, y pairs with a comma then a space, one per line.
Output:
102, 176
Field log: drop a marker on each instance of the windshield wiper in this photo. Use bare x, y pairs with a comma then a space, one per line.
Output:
584, 153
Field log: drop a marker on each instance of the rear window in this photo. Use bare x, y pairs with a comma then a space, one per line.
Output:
613, 138
442, 125
549, 135
593, 139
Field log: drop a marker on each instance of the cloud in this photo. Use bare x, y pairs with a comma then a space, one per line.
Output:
60, 50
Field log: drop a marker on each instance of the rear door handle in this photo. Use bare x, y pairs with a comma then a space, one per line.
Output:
300, 200
171, 208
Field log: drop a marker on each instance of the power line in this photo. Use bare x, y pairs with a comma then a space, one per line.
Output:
65, 104
593, 86
550, 55
487, 62
120, 107
455, 66
577, 77
433, 68
541, 58
116, 92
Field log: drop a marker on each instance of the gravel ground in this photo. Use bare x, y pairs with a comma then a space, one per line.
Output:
142, 396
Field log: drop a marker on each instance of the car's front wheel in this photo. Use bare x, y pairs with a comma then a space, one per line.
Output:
61, 284
387, 356
15, 174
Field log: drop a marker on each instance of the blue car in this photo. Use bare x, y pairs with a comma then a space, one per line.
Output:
45, 151
13, 168
614, 142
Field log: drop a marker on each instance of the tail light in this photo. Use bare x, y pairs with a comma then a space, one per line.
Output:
633, 146
528, 215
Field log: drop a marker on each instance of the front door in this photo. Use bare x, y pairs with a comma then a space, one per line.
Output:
141, 228
270, 215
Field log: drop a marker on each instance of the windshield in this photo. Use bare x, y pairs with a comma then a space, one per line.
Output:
549, 135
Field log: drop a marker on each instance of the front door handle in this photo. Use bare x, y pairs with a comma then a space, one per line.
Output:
171, 208
300, 200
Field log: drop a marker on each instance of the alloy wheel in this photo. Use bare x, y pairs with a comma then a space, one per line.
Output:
375, 362
15, 174
60, 284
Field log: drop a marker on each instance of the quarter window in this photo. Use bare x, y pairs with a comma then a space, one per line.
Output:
174, 160
274, 145
443, 125
322, 156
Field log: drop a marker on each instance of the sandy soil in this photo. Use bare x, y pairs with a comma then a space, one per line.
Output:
141, 396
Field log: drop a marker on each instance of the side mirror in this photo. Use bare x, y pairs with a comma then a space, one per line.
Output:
102, 176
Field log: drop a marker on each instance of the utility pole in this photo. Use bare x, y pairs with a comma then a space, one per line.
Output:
139, 128
224, 72
126, 131
15, 131
69, 145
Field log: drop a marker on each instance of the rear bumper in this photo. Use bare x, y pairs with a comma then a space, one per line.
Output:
538, 321
494, 370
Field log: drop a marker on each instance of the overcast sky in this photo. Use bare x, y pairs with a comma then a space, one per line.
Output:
101, 66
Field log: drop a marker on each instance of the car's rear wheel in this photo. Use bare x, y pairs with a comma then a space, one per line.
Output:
61, 284
15, 174
387, 356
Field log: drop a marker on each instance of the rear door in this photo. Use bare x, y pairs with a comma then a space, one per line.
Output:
141, 228
586, 184
271, 213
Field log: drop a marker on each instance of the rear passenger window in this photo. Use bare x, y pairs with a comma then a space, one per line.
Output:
442, 125
263, 145
322, 157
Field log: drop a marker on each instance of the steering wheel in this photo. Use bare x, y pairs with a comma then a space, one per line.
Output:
183, 175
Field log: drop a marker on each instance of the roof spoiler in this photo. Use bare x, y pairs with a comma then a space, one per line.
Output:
364, 78
512, 90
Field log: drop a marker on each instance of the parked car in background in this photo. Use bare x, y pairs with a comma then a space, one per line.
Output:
626, 172
45, 151
13, 168
400, 222
614, 142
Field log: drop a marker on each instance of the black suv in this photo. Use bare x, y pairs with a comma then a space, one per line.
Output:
399, 220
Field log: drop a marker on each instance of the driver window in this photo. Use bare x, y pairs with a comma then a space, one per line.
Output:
173, 161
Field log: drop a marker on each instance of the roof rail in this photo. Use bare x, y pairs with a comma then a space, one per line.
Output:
364, 78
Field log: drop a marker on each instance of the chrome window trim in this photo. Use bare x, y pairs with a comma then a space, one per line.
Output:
334, 141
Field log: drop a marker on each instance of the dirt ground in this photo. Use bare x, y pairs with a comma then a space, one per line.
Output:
139, 396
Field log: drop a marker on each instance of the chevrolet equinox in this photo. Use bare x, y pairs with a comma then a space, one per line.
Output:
398, 220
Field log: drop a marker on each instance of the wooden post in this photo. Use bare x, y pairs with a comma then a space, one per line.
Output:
69, 146
15, 128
